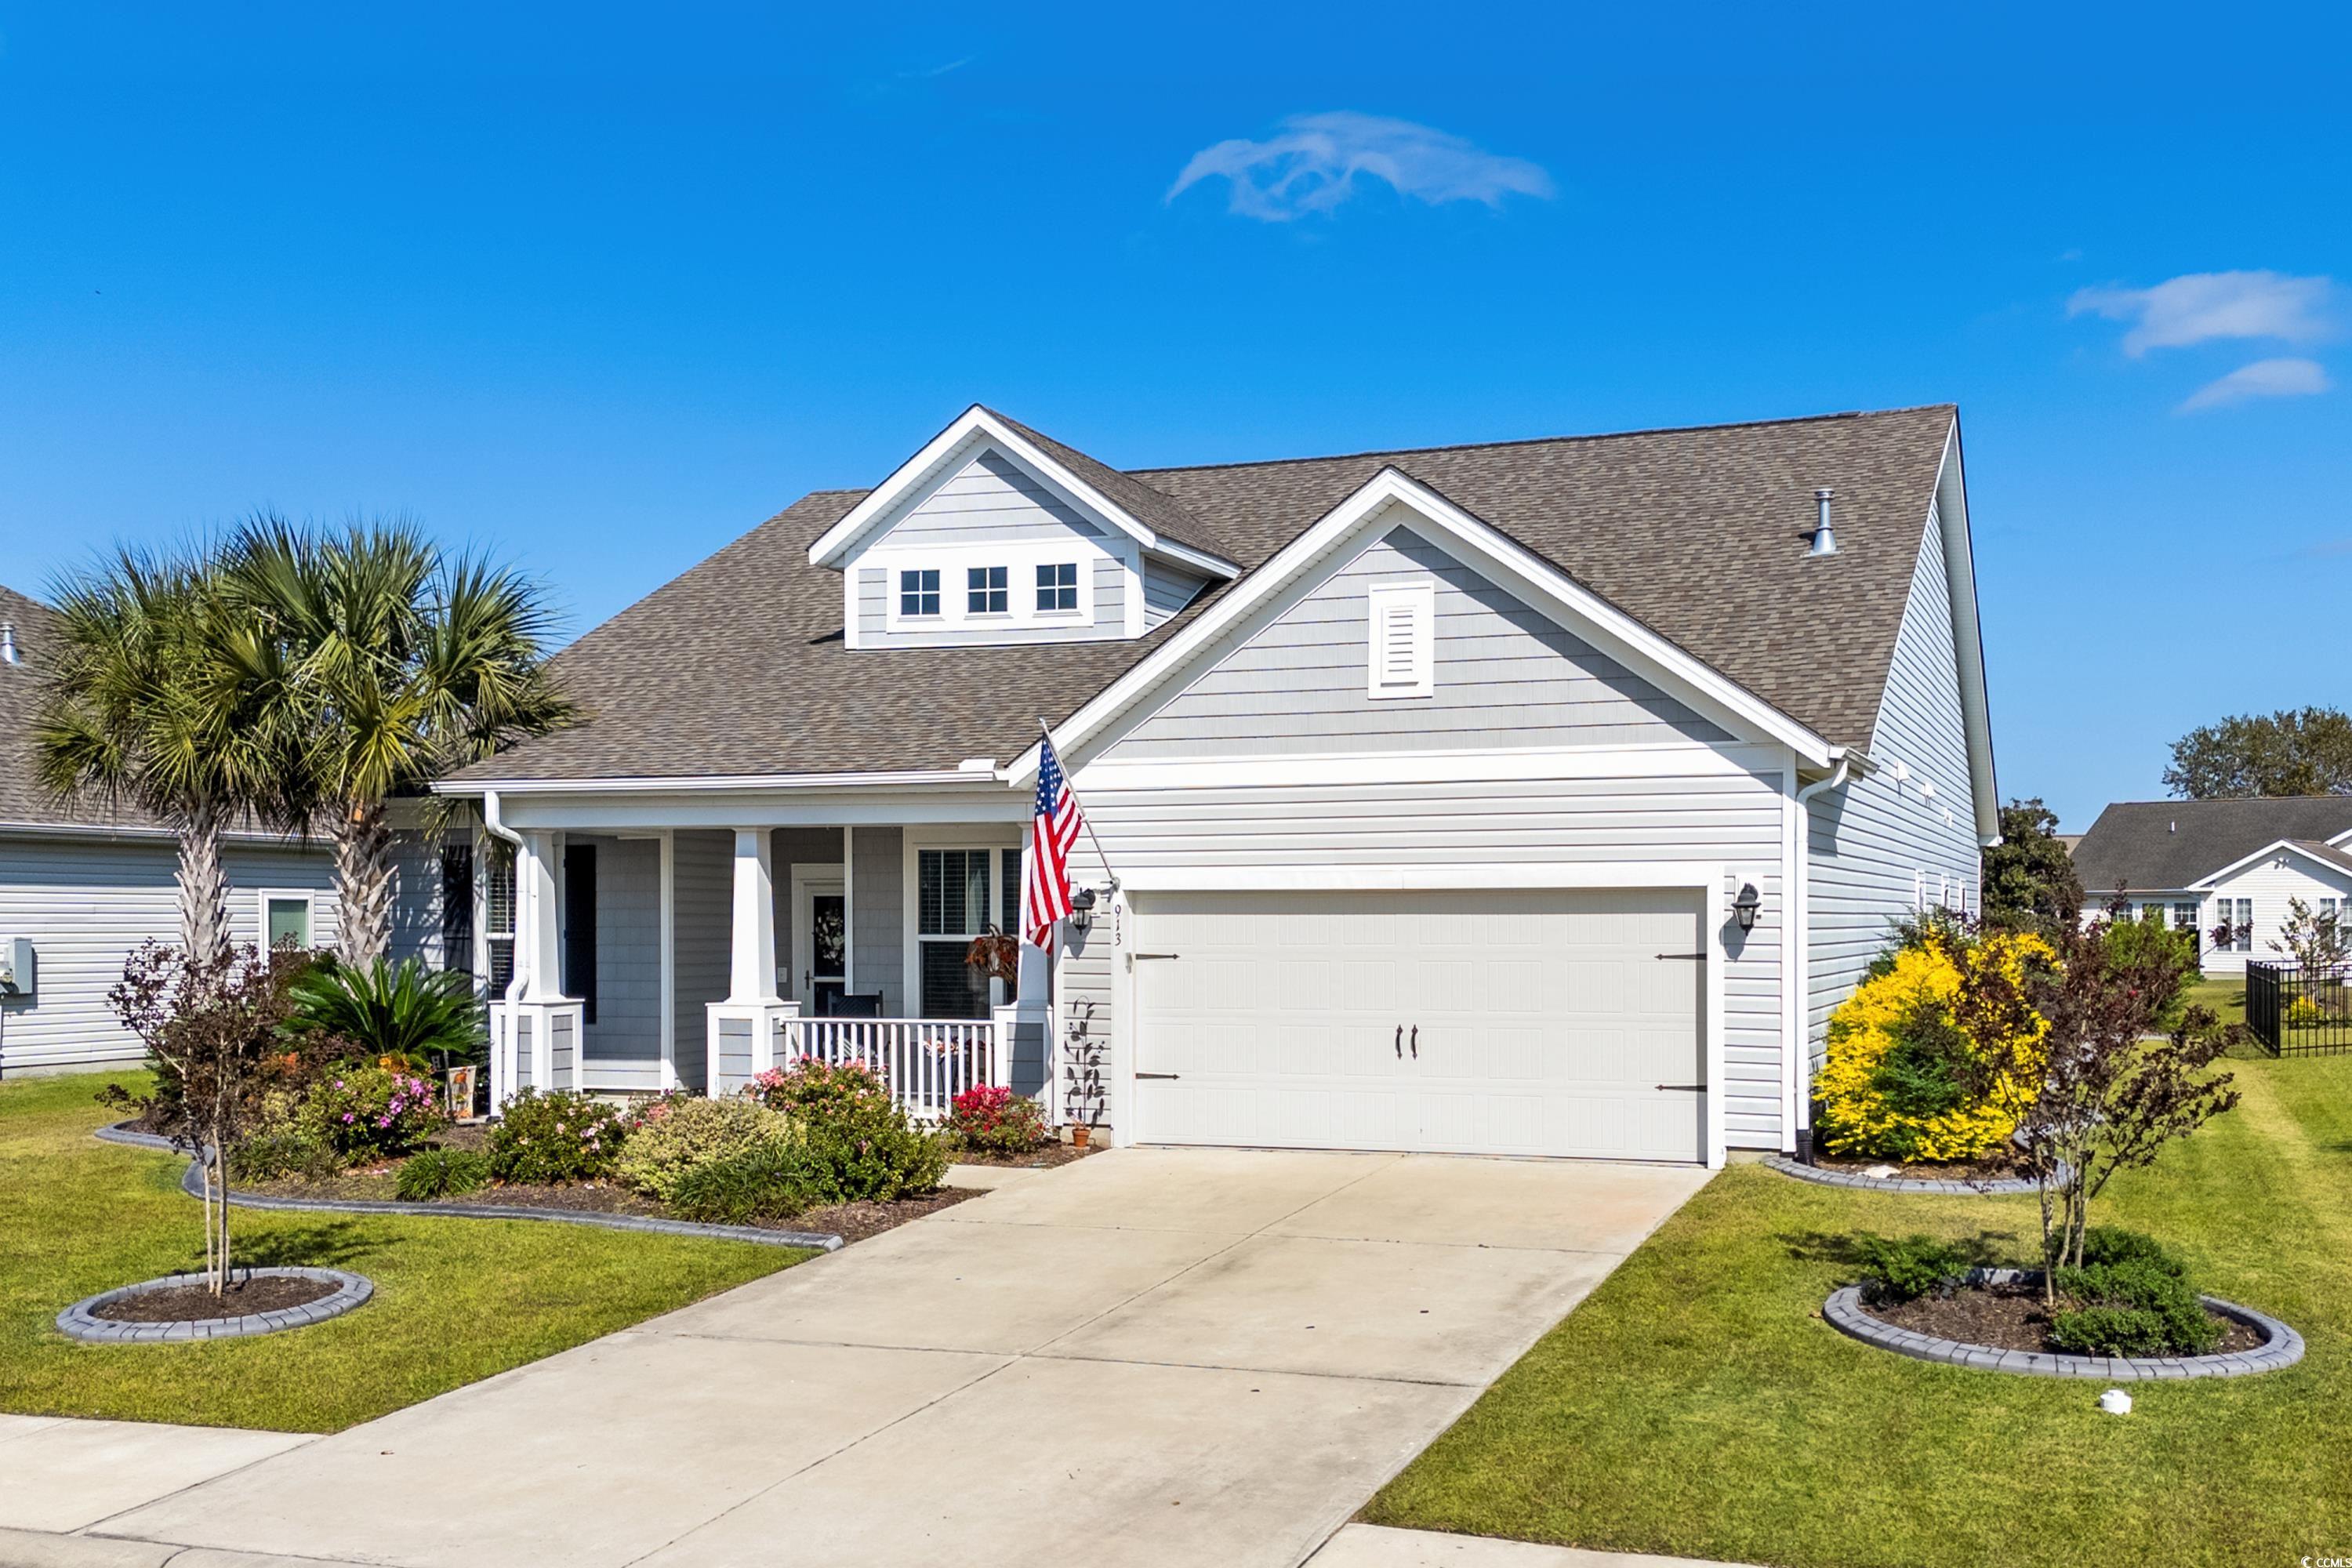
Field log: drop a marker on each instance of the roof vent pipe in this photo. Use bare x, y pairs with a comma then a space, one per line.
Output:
1824, 542
8, 653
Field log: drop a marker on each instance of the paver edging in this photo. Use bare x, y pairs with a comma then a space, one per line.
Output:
82, 1322
1854, 1179
2280, 1347
192, 1182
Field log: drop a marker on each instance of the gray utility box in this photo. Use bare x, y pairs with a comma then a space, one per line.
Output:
16, 966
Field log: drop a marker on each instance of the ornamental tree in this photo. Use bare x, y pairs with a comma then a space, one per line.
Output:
2097, 1095
2316, 941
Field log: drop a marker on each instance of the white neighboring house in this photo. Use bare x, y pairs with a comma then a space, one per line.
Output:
2200, 864
1534, 798
84, 886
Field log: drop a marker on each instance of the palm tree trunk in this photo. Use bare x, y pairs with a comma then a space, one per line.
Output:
363, 880
204, 889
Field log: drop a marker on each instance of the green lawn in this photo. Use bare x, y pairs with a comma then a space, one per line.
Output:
2225, 993
1697, 1404
456, 1300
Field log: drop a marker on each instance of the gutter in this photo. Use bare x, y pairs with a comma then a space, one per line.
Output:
715, 783
496, 826
1800, 1109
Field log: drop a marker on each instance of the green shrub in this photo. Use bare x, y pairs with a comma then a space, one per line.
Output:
279, 1143
860, 1145
769, 1181
401, 1010
555, 1136
2111, 1244
441, 1173
670, 1137
1908, 1268
372, 1112
2134, 1307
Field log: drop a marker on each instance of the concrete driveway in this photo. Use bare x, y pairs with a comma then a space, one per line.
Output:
1152, 1356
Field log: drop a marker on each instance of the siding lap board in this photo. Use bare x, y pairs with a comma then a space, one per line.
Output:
704, 869
624, 1045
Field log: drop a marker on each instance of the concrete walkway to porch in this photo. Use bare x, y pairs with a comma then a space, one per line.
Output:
1151, 1356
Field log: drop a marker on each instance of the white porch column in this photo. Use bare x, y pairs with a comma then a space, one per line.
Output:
538, 937
547, 1029
743, 1029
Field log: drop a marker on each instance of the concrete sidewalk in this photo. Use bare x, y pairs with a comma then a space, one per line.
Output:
1160, 1356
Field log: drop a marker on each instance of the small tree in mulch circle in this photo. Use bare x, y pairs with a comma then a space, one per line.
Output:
2110, 1096
218, 1025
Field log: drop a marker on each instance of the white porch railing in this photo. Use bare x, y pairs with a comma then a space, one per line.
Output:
927, 1062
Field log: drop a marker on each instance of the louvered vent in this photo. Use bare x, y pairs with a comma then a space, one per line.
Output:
1404, 654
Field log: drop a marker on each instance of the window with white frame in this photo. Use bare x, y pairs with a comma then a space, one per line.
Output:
986, 591
1058, 588
499, 914
952, 905
918, 592
1402, 657
2238, 914
286, 920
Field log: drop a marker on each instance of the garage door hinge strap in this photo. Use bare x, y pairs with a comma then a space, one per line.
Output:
1682, 955
1159, 1075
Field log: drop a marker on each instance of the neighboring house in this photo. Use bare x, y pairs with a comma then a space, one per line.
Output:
2200, 864
1533, 798
85, 885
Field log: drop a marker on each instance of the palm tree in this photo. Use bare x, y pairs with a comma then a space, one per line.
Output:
395, 664
134, 715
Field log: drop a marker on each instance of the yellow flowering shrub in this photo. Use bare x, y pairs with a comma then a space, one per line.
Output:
1890, 1087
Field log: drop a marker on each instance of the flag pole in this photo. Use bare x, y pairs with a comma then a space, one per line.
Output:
1088, 822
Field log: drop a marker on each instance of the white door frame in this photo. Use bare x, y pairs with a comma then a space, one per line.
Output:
810, 878
1704, 878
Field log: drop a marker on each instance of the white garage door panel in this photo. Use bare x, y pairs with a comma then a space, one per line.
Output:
1517, 1022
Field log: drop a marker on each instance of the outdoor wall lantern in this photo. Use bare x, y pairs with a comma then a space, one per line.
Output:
1082, 910
1745, 906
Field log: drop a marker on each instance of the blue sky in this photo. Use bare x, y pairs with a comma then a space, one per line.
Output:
601, 288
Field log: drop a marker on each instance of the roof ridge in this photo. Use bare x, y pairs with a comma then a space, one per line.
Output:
2226, 800
1541, 440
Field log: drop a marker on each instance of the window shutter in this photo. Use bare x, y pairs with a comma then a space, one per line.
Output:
1402, 655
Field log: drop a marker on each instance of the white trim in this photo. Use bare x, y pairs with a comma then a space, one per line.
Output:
987, 837
240, 837
834, 544
1707, 878
849, 905
1948, 510
2278, 847
699, 784
1487, 551
263, 896
1415, 603
1795, 1048
807, 879
1020, 560
1673, 759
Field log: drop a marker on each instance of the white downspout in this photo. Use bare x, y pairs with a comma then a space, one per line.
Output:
503, 1062
1800, 1084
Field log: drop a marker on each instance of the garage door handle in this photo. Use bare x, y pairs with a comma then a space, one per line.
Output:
1399, 1042
1159, 1075
1692, 1087
1416, 1042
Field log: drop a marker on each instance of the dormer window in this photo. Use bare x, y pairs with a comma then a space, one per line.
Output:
1057, 588
918, 594
986, 592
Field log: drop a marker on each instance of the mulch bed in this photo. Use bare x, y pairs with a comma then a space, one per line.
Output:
2011, 1318
1989, 1168
851, 1222
185, 1303
1045, 1157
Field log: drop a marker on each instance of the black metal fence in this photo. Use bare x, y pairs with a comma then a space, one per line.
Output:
2295, 1012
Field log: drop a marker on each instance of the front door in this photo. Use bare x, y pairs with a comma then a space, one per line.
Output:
820, 942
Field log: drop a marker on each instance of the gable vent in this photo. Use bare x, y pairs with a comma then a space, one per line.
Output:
1403, 653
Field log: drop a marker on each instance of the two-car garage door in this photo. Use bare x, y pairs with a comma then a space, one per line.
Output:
1500, 1022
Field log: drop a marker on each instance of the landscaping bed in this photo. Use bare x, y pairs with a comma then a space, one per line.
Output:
1982, 1168
245, 1297
2010, 1315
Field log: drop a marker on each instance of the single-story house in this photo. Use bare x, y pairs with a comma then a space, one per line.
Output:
1539, 797
81, 884
2203, 863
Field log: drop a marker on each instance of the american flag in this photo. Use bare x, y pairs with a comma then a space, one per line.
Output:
1054, 825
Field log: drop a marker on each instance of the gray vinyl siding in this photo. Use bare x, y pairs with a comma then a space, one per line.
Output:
1166, 591
704, 890
1871, 841
526, 1049
990, 500
1705, 815
624, 1045
878, 898
416, 899
86, 902
562, 1052
1506, 676
791, 846
875, 584
734, 1055
1084, 996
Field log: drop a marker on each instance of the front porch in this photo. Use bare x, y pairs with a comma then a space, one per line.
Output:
634, 960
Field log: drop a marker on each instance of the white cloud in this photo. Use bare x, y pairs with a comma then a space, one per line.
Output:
1311, 164
2264, 378
2198, 306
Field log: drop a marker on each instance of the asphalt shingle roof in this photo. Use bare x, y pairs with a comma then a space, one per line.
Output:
738, 667
2162, 846
22, 798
